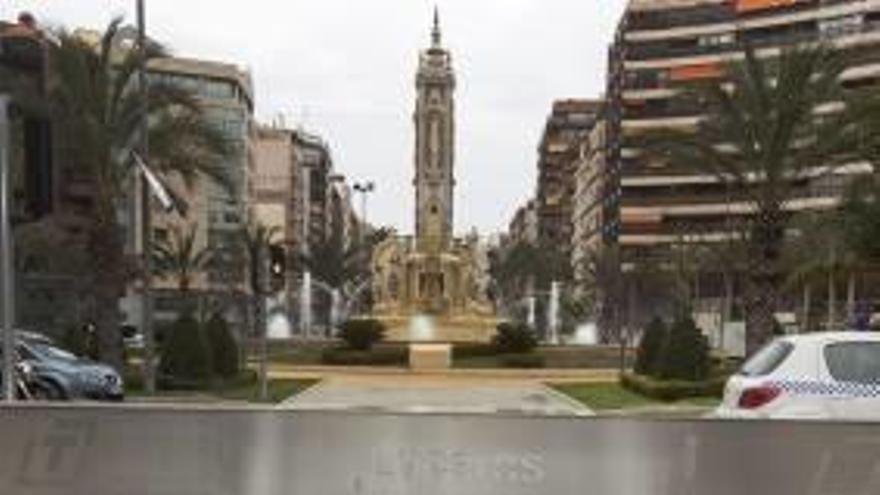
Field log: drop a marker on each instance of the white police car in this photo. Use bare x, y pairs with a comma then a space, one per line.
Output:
834, 375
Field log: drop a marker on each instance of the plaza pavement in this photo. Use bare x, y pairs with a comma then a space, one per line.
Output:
406, 392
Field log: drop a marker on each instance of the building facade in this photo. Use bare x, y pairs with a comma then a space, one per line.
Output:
651, 208
315, 166
558, 152
587, 211
523, 228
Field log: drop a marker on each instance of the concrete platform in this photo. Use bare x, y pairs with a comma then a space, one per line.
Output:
430, 356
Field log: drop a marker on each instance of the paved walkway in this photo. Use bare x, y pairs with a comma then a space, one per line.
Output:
420, 393
541, 375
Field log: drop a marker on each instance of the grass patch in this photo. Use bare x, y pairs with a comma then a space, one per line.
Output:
611, 396
236, 390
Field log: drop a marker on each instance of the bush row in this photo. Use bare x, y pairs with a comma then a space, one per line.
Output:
672, 390
680, 352
195, 353
377, 356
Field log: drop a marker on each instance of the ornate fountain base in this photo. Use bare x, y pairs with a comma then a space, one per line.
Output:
448, 329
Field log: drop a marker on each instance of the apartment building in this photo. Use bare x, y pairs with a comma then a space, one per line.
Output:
316, 163
523, 228
651, 207
569, 122
590, 191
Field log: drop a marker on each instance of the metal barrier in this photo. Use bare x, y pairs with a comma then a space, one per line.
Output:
194, 451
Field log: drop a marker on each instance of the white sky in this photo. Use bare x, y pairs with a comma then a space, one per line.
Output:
346, 68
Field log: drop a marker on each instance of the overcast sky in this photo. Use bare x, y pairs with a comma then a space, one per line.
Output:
345, 69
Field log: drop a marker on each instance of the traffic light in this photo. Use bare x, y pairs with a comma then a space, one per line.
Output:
277, 268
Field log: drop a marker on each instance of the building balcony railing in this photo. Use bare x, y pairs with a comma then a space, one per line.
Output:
755, 38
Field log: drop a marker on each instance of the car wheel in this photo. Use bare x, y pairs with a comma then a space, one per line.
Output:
47, 391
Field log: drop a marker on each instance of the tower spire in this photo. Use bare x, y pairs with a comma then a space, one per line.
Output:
435, 33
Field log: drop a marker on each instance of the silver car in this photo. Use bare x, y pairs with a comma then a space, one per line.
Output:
69, 376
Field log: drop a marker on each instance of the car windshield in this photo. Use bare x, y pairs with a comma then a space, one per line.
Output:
52, 352
767, 359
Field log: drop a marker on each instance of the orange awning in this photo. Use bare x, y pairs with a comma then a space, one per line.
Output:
695, 72
754, 5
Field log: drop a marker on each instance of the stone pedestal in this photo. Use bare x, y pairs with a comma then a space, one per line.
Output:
430, 356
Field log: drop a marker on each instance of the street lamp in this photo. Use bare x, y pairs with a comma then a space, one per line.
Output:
146, 229
7, 301
364, 188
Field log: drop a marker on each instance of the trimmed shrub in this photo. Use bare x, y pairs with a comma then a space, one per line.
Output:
186, 358
361, 335
531, 360
473, 350
650, 347
685, 354
378, 356
224, 349
672, 390
514, 338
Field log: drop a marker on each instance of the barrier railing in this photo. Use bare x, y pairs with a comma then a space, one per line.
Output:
165, 451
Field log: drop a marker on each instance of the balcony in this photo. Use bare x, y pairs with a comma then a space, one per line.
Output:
757, 38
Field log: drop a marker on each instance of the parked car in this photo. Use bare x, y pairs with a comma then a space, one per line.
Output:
833, 375
36, 337
68, 376
27, 385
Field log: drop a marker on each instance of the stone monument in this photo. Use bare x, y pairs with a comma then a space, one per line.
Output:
427, 287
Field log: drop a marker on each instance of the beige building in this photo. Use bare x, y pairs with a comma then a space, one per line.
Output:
274, 184
225, 91
587, 211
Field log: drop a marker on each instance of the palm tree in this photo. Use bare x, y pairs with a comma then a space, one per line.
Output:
100, 106
334, 263
180, 257
763, 138
819, 250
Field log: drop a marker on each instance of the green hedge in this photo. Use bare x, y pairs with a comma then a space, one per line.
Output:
473, 350
362, 334
377, 356
514, 338
672, 390
523, 361
186, 358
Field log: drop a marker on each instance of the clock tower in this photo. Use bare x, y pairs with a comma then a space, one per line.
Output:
434, 120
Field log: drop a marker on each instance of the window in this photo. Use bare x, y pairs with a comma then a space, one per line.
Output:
857, 362
218, 89
767, 359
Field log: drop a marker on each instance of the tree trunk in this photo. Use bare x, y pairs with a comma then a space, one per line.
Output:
805, 316
108, 260
727, 309
851, 299
765, 248
264, 345
832, 301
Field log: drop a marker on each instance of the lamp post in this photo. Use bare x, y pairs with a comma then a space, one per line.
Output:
146, 228
7, 296
364, 188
